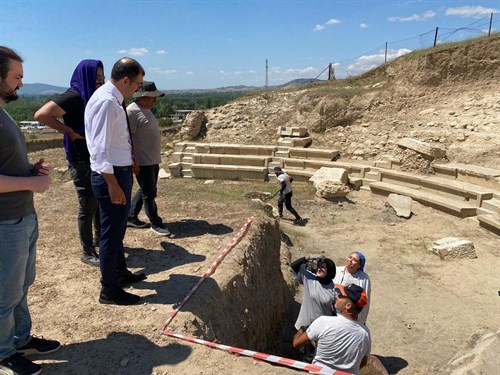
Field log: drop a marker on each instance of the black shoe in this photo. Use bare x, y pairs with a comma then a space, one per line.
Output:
39, 345
297, 220
92, 259
160, 230
16, 364
136, 223
131, 278
120, 297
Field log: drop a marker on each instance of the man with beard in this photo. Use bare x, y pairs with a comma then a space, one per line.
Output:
18, 231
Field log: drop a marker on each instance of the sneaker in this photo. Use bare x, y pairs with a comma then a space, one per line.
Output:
39, 345
16, 364
131, 278
91, 259
136, 223
120, 297
160, 230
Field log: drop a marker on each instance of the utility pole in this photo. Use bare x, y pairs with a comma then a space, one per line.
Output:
266, 76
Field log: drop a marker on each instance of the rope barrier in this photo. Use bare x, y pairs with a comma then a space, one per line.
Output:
236, 239
313, 369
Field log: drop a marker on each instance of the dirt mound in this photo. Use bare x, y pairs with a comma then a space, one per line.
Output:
448, 96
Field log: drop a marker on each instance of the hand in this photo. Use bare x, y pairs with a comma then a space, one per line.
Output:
41, 168
73, 136
135, 167
315, 257
117, 195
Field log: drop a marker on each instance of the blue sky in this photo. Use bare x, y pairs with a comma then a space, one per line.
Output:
208, 43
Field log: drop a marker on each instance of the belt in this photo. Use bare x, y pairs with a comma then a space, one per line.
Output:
127, 168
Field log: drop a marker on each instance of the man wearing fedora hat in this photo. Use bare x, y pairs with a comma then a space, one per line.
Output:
146, 139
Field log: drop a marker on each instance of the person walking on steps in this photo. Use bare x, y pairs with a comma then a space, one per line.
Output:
286, 193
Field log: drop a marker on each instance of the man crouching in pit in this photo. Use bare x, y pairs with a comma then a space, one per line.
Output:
342, 343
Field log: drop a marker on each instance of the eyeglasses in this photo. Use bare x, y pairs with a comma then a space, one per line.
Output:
99, 78
138, 83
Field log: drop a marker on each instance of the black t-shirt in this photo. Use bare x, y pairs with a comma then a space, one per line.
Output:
72, 103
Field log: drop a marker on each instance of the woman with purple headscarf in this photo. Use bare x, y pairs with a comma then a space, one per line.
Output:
353, 273
87, 77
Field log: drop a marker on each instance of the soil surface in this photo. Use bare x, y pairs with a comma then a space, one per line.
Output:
424, 310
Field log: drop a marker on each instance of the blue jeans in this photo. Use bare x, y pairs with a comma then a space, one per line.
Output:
17, 272
113, 227
147, 179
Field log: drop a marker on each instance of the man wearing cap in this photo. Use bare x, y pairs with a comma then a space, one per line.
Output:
286, 193
342, 343
146, 138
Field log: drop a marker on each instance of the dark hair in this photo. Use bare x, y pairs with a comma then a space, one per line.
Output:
7, 54
126, 67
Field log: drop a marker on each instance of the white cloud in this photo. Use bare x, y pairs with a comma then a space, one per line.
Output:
134, 51
363, 25
471, 11
332, 21
413, 17
163, 71
188, 73
367, 62
161, 52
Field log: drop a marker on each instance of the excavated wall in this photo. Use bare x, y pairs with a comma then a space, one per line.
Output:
244, 302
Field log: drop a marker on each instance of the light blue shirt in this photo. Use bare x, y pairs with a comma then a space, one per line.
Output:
106, 130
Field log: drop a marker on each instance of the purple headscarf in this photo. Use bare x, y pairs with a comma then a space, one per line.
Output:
84, 78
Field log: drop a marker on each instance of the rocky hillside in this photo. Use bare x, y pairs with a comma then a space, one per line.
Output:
448, 96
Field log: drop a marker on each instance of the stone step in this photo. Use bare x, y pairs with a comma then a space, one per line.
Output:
187, 159
492, 205
490, 222
187, 173
427, 198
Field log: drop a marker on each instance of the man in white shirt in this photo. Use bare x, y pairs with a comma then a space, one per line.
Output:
112, 162
342, 343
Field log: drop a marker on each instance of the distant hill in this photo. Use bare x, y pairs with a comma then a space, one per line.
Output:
40, 89
44, 89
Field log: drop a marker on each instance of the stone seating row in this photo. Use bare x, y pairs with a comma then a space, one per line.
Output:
262, 150
484, 176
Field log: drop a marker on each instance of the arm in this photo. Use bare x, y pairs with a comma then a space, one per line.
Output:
300, 338
38, 182
48, 115
296, 264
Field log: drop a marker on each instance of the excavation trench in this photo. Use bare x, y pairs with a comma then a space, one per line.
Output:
246, 303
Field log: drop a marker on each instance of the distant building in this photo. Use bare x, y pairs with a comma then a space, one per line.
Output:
35, 127
180, 115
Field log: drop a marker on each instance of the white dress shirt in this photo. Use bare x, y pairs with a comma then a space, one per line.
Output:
106, 130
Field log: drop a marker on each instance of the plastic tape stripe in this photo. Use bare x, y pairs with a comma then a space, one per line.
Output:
313, 369
236, 239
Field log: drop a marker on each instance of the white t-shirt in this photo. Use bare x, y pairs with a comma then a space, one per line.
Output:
286, 179
341, 343
360, 278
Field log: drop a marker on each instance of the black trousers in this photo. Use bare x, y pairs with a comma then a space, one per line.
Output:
287, 199
146, 194
89, 223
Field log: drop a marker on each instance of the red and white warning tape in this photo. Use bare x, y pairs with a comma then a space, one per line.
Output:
313, 369
236, 239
